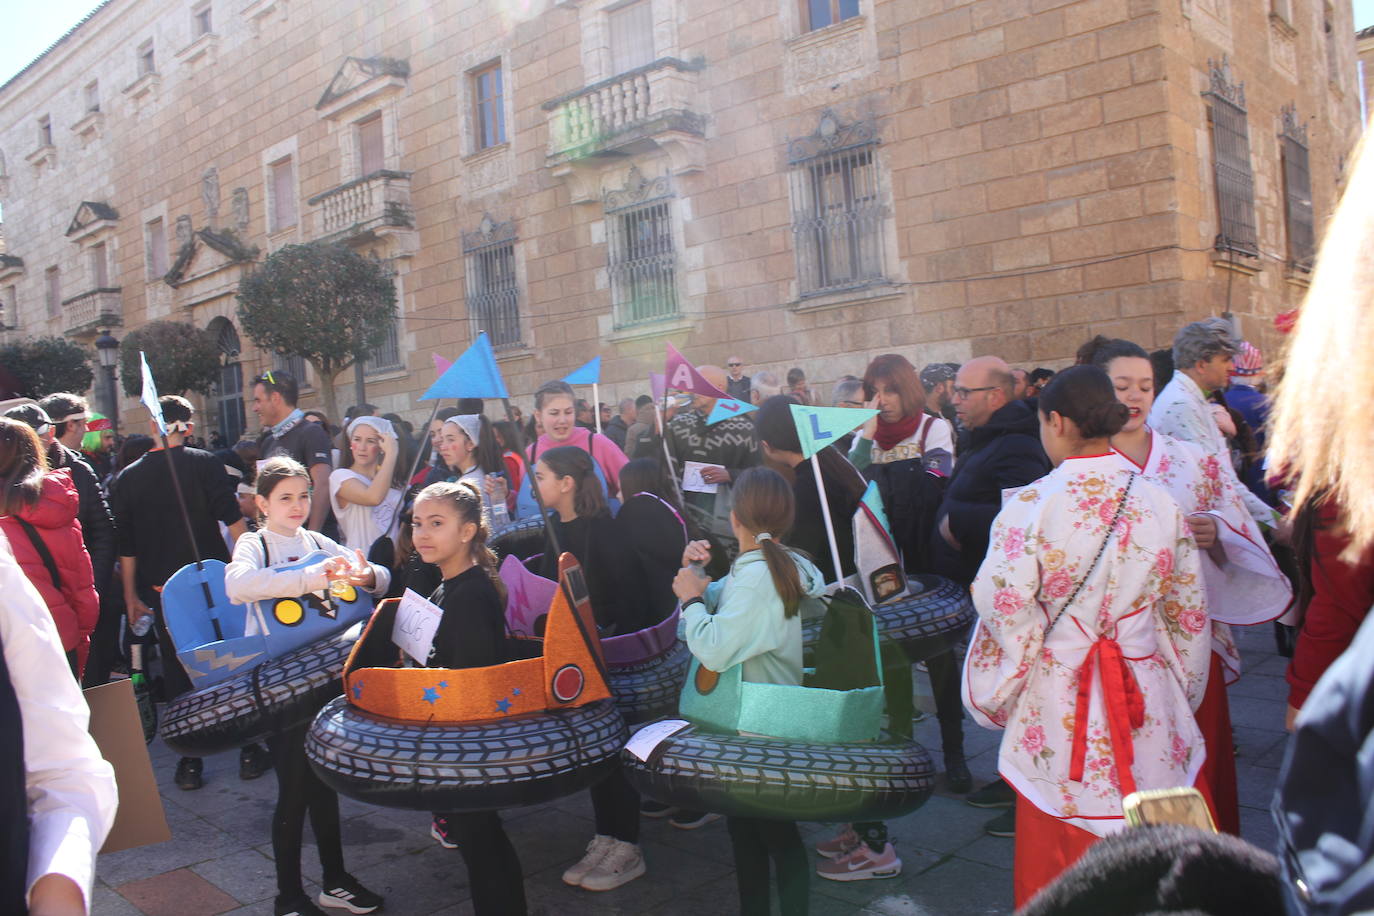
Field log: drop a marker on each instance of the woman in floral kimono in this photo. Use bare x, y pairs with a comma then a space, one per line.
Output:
1091, 649
1244, 585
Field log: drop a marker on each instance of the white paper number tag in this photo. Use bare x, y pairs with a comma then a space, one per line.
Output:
416, 622
643, 742
693, 482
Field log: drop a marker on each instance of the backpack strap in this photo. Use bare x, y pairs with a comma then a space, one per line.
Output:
266, 560
44, 554
925, 430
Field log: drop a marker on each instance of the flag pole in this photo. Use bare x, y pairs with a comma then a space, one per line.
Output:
190, 533
415, 465
596, 406
825, 512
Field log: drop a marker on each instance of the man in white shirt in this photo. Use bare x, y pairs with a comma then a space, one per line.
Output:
70, 789
1204, 354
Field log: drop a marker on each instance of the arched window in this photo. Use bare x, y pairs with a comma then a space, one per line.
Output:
228, 393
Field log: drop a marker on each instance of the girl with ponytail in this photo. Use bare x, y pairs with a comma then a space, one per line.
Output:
752, 617
450, 531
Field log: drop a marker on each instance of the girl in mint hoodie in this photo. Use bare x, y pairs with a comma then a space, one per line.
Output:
752, 617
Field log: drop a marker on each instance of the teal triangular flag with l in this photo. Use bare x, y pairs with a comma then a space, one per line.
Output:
818, 427
874, 501
472, 375
726, 408
589, 374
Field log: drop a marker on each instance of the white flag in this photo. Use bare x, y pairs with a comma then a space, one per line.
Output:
149, 396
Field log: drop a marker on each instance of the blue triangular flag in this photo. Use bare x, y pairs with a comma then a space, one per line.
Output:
589, 374
874, 501
818, 427
726, 408
472, 375
149, 395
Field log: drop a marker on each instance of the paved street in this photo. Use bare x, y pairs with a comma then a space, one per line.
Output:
219, 858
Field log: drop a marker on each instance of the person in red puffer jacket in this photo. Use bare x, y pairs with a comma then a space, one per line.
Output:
38, 507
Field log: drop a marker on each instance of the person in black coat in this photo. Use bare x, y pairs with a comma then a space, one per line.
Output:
1003, 451
653, 528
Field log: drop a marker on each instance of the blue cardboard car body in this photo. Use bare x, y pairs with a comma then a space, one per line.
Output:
194, 597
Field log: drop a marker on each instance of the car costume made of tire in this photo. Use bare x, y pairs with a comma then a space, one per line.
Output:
474, 739
247, 686
522, 538
787, 752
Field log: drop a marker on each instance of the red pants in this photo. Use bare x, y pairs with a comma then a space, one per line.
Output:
1219, 769
1046, 846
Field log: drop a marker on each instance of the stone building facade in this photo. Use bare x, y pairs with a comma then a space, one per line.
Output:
803, 182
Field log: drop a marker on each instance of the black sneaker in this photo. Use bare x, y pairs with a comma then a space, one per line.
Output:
348, 894
253, 762
957, 777
996, 794
296, 906
691, 820
189, 773
438, 829
651, 808
1003, 825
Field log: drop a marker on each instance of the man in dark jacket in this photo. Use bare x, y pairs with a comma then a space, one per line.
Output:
1003, 451
619, 425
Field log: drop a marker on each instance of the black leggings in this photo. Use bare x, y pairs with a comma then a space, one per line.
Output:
757, 841
494, 875
299, 790
616, 806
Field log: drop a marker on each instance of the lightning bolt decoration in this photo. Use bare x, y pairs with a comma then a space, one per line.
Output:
228, 660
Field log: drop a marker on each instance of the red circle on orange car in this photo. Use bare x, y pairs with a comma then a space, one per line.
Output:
568, 682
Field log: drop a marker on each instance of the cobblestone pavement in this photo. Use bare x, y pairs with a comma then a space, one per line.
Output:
219, 859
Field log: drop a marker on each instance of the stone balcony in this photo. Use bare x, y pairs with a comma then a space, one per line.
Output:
651, 106
374, 206
93, 310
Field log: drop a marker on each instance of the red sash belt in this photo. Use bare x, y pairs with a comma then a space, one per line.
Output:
1123, 703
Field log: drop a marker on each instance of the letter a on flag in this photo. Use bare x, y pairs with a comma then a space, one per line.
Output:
149, 396
587, 374
472, 375
683, 376
726, 408
818, 427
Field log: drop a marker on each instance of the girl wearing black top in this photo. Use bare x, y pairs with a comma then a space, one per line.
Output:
449, 531
567, 482
653, 529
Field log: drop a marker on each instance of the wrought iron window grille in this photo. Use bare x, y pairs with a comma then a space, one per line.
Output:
493, 288
1235, 180
642, 256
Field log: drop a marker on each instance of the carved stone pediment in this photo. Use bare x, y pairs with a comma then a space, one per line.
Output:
91, 218
208, 252
362, 79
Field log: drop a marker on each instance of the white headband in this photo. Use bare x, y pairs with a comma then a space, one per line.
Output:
380, 424
470, 424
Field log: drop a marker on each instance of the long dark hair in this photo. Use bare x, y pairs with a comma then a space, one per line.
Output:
589, 500
1101, 350
22, 466
774, 424
764, 504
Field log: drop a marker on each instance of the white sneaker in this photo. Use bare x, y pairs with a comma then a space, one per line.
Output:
621, 865
596, 851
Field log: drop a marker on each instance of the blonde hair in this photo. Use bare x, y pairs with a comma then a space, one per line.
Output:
1322, 428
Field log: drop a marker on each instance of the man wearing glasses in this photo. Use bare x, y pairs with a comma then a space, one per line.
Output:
1002, 451
737, 385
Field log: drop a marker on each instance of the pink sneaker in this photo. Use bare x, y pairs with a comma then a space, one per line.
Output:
841, 844
862, 864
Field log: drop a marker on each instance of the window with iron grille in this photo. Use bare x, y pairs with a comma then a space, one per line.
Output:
837, 210
1297, 192
1231, 163
387, 356
493, 291
642, 258
294, 366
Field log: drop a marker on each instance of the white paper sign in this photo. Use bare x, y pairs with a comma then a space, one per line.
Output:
416, 622
643, 742
692, 480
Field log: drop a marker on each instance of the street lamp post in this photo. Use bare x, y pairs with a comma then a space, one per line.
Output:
107, 350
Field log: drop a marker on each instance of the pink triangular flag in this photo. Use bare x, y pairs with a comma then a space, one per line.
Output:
528, 596
683, 376
441, 365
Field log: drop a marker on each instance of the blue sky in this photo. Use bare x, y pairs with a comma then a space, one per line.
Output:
39, 24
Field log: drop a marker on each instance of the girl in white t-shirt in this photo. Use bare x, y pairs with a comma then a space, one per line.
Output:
366, 492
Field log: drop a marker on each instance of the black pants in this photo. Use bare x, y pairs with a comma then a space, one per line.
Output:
300, 791
616, 805
944, 671
105, 647
494, 875
175, 681
755, 843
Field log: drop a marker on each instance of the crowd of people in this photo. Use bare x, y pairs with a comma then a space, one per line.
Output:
1110, 521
